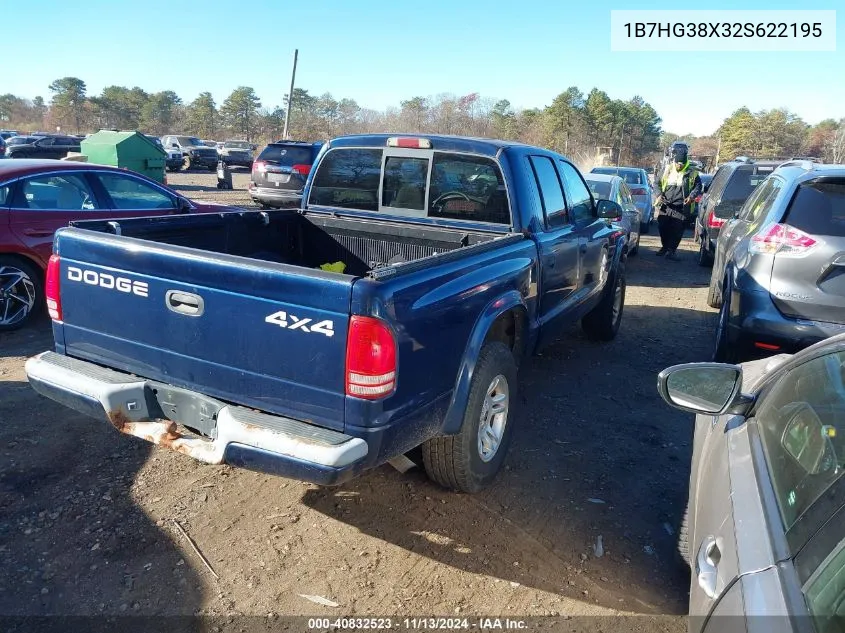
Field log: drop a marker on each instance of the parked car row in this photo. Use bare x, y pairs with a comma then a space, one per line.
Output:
37, 197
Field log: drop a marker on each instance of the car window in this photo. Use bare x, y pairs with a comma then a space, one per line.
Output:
719, 180
818, 208
825, 592
802, 425
600, 188
625, 195
348, 178
760, 202
45, 142
631, 176
467, 187
745, 180
130, 193
67, 192
287, 155
577, 194
4, 195
404, 183
551, 191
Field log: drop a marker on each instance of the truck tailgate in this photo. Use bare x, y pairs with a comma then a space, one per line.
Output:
261, 334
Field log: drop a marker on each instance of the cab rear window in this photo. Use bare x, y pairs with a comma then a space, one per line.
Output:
437, 185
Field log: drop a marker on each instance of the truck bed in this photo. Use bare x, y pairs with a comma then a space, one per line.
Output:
290, 237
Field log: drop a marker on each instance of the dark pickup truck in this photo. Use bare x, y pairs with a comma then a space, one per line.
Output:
390, 312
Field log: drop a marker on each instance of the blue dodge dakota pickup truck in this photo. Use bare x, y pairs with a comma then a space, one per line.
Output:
390, 312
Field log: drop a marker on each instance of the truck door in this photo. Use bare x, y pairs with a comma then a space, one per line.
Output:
558, 247
593, 234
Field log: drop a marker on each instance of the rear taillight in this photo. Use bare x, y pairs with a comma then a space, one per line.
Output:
301, 169
714, 221
370, 359
52, 288
639, 191
259, 166
781, 239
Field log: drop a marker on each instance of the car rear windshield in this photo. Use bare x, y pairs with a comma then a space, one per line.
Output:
287, 155
600, 189
818, 208
744, 182
454, 186
630, 176
189, 140
237, 145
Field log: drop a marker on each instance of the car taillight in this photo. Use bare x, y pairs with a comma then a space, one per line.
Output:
301, 169
370, 359
259, 165
52, 288
781, 239
639, 191
715, 222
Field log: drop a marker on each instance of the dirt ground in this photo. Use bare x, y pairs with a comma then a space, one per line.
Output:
89, 518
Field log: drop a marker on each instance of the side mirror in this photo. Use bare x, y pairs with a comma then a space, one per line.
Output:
608, 209
183, 206
709, 388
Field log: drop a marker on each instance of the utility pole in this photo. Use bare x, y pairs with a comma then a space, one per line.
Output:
290, 94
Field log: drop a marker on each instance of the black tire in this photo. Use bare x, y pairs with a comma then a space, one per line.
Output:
725, 350
30, 287
602, 322
714, 296
187, 163
704, 257
455, 461
683, 537
212, 167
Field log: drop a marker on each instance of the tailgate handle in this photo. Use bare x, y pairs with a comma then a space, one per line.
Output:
184, 303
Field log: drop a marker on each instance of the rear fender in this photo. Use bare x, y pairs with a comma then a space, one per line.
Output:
508, 301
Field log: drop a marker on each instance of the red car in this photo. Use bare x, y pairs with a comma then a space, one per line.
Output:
37, 197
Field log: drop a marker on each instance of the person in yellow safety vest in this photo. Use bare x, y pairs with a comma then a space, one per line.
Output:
677, 190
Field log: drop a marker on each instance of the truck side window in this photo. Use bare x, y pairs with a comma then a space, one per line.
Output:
551, 191
348, 178
577, 195
468, 188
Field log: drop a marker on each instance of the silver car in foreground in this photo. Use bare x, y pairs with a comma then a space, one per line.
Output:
764, 531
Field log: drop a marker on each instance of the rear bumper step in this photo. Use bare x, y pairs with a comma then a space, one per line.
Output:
239, 436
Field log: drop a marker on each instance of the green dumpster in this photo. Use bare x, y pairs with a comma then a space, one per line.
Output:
131, 150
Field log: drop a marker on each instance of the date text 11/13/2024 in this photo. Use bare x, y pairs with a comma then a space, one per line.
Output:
416, 624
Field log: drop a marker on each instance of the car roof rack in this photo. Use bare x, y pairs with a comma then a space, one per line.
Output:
804, 163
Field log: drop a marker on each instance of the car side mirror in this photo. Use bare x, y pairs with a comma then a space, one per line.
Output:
709, 388
608, 209
183, 206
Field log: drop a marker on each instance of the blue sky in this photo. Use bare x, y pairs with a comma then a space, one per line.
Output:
380, 52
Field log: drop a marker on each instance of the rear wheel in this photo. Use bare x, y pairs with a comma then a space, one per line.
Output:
725, 350
714, 297
470, 460
704, 257
683, 537
602, 322
21, 293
